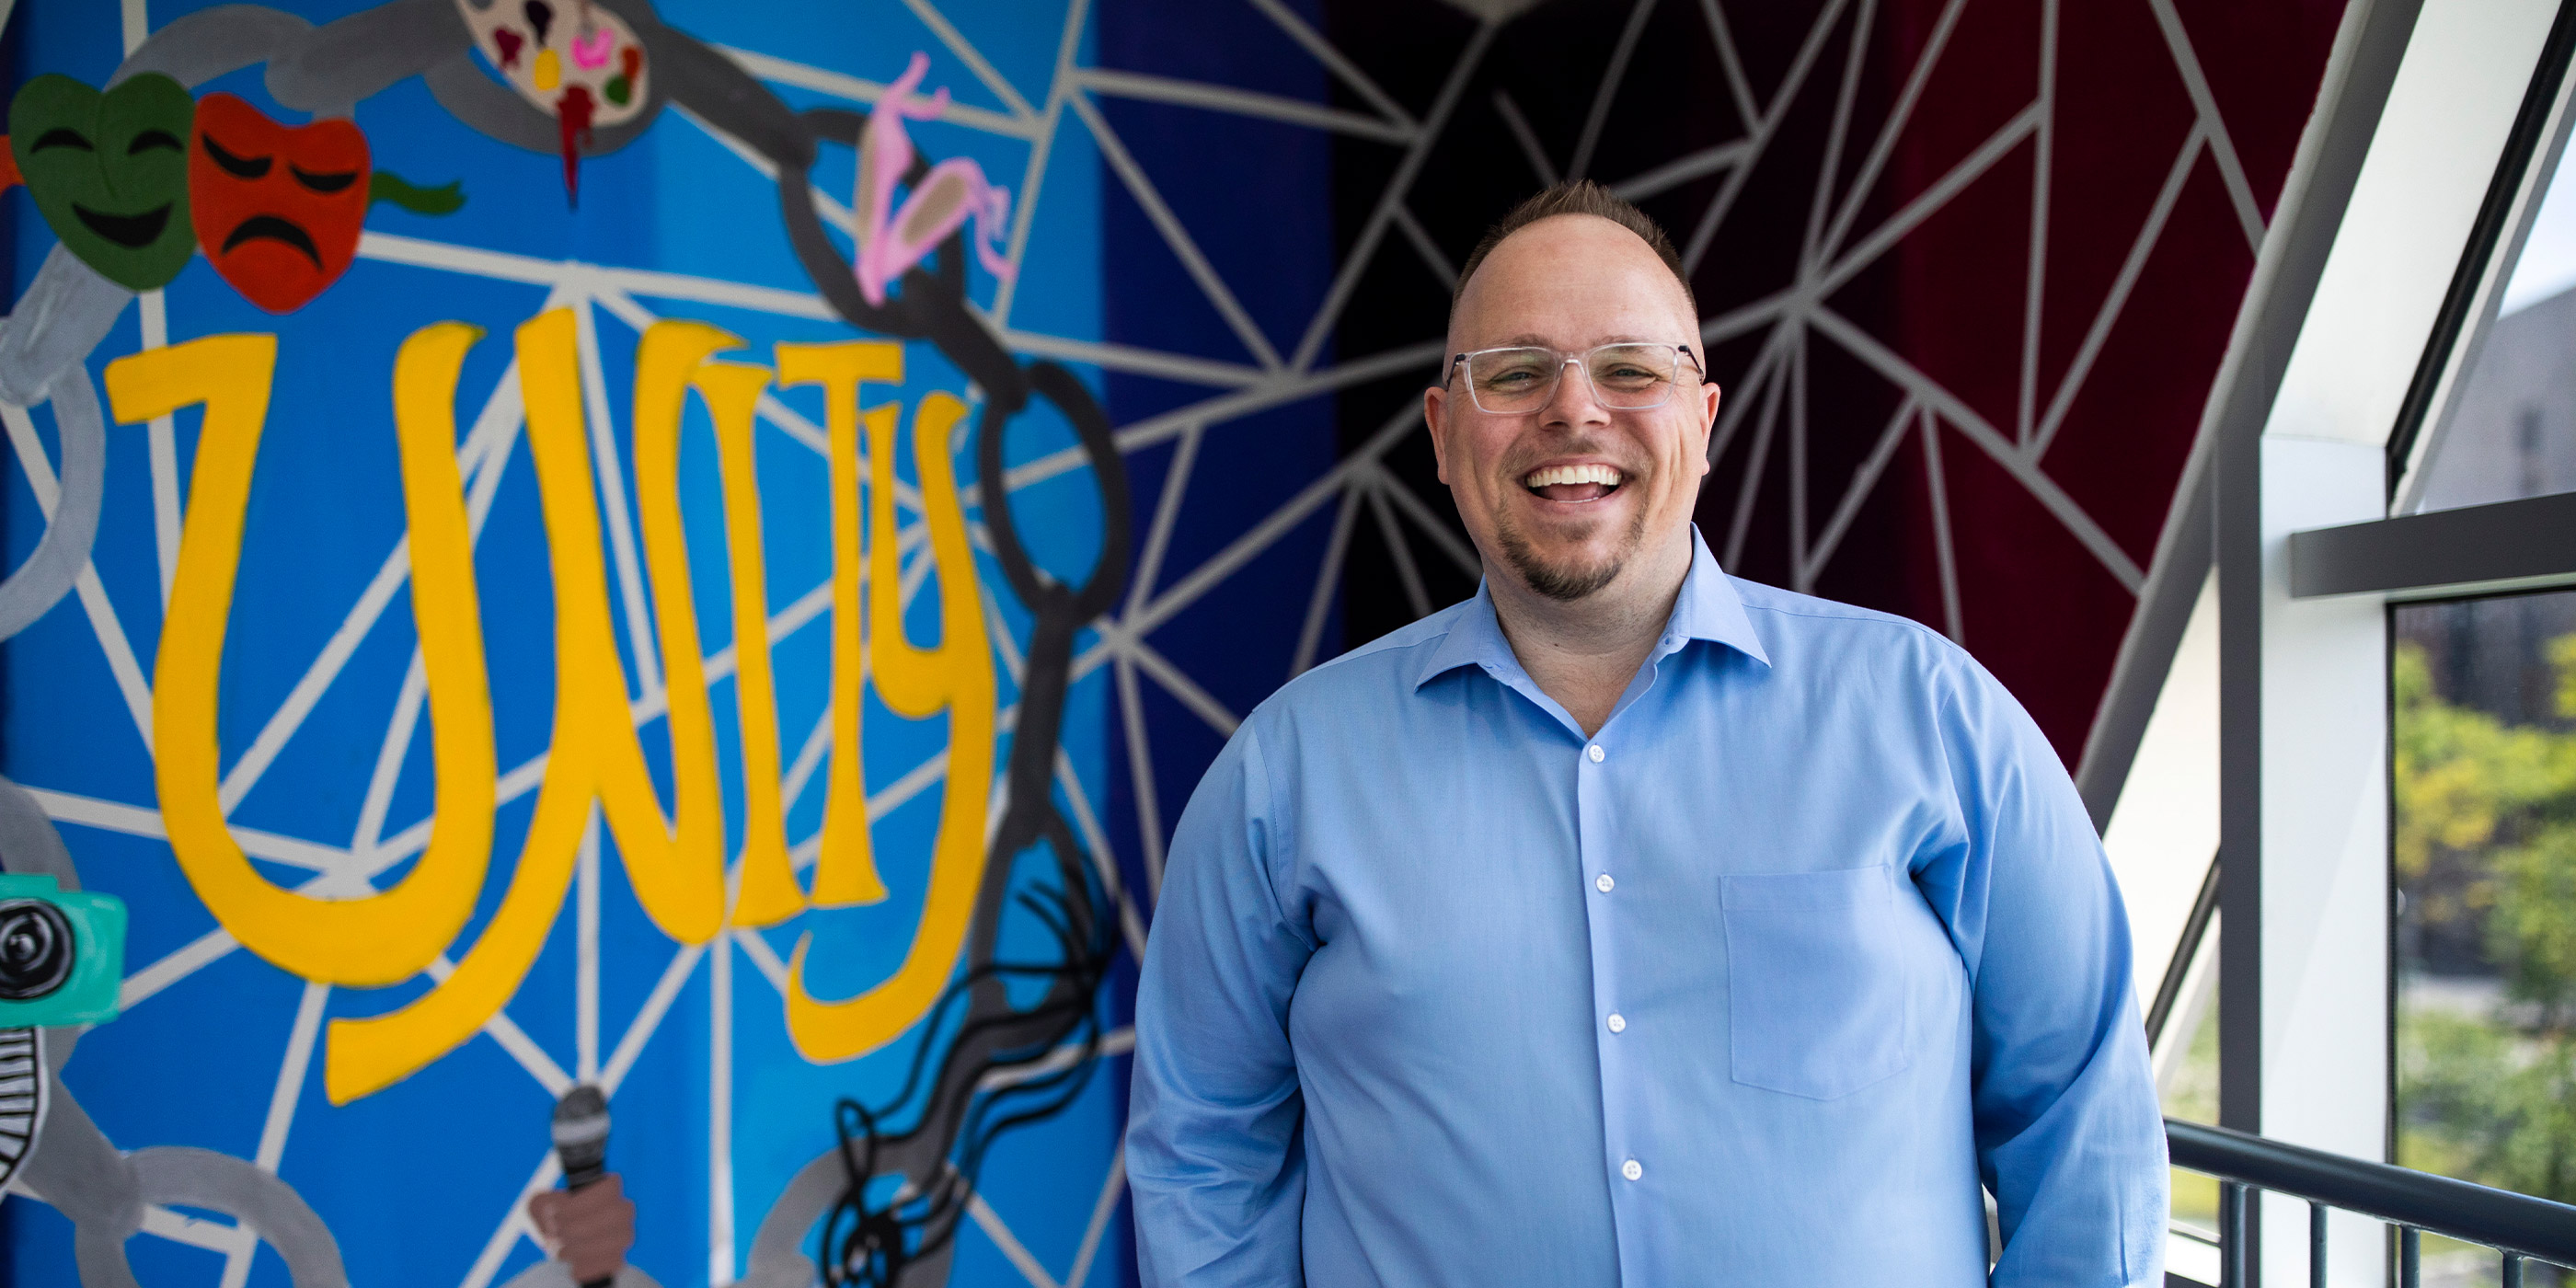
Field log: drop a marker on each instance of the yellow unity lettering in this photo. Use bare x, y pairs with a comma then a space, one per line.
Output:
678, 874
845, 870
679, 879
768, 893
916, 683
373, 939
675, 860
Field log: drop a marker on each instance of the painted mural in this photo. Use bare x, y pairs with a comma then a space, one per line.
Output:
502, 595
547, 575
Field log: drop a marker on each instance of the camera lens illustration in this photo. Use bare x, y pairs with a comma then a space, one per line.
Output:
35, 949
62, 953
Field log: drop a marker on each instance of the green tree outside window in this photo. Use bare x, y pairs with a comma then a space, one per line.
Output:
2485, 851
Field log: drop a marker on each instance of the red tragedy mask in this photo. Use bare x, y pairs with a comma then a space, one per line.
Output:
277, 207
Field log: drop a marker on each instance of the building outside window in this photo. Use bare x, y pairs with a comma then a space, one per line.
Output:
2482, 694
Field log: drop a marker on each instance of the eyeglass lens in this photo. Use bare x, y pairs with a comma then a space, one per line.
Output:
1625, 377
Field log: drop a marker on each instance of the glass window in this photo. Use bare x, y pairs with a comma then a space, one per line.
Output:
2511, 431
2187, 1078
2546, 268
2483, 797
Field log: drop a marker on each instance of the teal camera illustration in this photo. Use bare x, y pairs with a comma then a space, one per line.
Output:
62, 953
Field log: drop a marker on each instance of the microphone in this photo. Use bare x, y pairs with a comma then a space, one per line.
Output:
581, 1142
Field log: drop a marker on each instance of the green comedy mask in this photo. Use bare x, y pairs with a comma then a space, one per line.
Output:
109, 172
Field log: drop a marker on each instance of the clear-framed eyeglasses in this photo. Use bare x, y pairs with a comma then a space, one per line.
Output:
1626, 376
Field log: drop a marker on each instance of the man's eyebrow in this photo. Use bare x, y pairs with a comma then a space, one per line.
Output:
1528, 339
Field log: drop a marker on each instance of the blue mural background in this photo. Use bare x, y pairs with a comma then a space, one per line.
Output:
714, 1109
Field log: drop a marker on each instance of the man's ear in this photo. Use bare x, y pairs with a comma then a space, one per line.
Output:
1711, 396
1435, 414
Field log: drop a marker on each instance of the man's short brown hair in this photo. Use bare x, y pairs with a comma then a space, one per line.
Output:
1580, 197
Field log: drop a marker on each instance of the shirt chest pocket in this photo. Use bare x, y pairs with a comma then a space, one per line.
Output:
1817, 989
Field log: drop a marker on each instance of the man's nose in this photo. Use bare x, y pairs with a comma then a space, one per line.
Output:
1575, 401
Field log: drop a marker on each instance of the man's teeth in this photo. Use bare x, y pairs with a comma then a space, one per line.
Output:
1556, 474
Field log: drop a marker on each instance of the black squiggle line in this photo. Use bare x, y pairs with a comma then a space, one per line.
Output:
905, 1238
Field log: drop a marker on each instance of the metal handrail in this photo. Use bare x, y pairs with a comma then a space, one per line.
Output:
2518, 1226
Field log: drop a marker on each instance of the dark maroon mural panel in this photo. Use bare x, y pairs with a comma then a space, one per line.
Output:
1966, 268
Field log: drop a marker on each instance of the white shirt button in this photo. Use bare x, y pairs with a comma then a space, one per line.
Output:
1631, 1170
1595, 752
1618, 1023
1603, 883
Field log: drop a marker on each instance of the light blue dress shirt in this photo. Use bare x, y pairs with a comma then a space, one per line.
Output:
1754, 987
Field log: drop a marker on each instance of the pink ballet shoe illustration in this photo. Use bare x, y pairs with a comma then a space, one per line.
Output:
954, 191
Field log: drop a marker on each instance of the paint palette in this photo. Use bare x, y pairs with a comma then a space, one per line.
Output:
574, 59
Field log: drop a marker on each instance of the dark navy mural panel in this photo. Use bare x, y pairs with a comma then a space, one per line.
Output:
1217, 219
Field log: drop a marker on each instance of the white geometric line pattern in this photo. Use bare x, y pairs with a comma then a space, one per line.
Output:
1830, 122
1768, 402
1768, 396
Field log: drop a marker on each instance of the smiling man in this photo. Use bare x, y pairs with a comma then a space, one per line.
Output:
1630, 923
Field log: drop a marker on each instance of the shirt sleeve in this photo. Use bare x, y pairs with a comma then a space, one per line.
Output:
2070, 1135
1214, 1161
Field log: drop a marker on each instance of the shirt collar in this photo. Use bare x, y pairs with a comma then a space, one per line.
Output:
1708, 609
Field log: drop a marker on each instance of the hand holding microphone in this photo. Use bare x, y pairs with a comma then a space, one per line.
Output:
589, 1224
